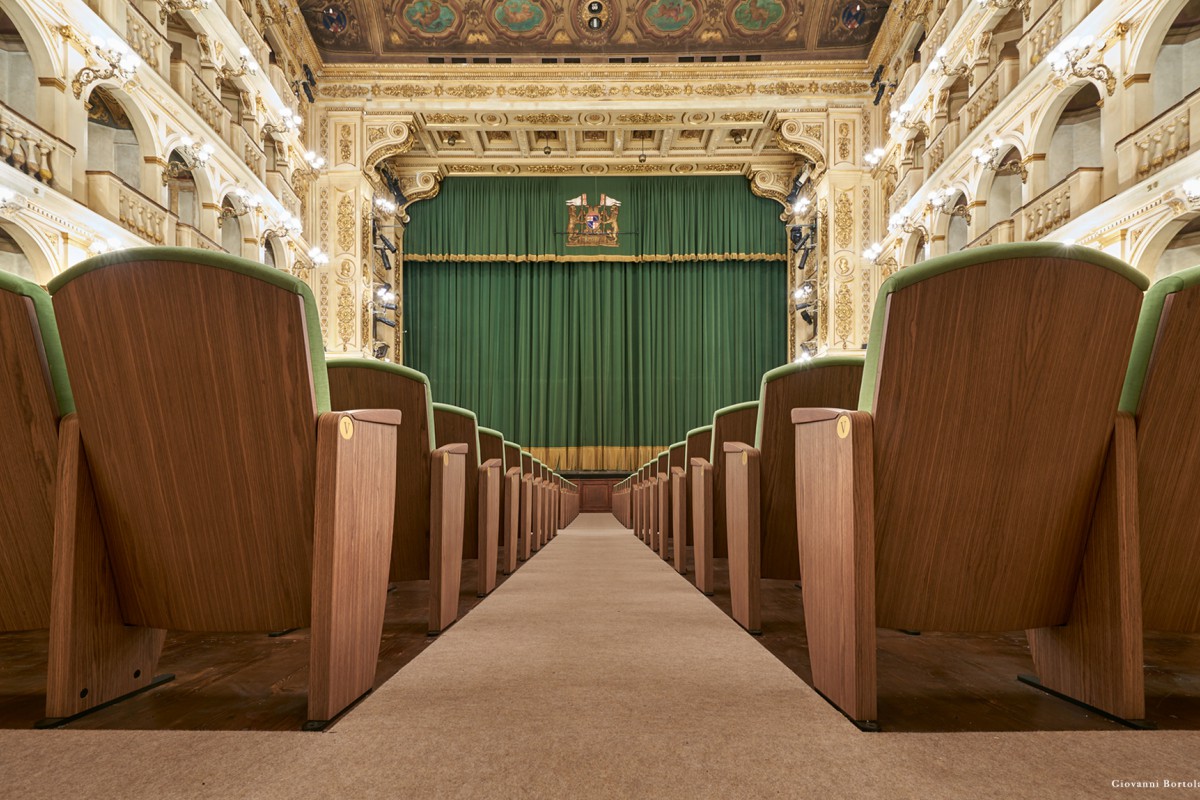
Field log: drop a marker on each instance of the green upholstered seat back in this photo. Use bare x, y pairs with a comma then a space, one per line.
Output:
34, 393
677, 454
993, 378
458, 426
733, 423
398, 387
828, 382
1161, 388
197, 378
699, 444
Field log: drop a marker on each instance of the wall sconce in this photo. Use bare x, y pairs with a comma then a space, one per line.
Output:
1191, 190
168, 7
938, 65
288, 226
900, 222
873, 252
315, 162
101, 245
384, 205
11, 202
939, 201
244, 204
1065, 60
118, 62
317, 256
289, 122
989, 158
874, 157
1020, 5
246, 66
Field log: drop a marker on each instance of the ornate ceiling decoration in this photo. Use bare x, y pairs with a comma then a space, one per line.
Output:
528, 31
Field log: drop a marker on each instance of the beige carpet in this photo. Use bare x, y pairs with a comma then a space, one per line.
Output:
595, 671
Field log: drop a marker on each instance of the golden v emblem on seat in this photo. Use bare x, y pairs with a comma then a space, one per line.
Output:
592, 226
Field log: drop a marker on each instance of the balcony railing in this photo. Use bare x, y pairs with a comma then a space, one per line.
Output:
1044, 35
251, 151
187, 236
33, 150
201, 98
981, 103
1000, 233
111, 197
1053, 208
1162, 141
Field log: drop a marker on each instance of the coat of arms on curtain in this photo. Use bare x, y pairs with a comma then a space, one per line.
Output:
592, 226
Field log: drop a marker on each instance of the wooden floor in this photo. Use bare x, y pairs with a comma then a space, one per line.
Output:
940, 682
234, 681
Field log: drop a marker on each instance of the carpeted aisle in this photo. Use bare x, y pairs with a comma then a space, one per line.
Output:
595, 671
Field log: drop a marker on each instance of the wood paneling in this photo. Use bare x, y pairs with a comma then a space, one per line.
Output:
28, 449
1168, 434
357, 387
991, 424
203, 435
595, 494
352, 546
452, 428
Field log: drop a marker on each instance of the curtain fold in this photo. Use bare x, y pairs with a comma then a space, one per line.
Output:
595, 357
595, 365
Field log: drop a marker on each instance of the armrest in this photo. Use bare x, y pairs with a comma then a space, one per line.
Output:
678, 471
380, 416
513, 471
491, 463
452, 449
803, 416
700, 462
737, 447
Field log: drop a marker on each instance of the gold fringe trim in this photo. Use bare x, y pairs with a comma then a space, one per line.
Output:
527, 259
613, 459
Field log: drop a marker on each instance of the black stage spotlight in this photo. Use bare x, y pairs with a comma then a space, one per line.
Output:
307, 91
391, 323
381, 349
879, 90
308, 73
876, 79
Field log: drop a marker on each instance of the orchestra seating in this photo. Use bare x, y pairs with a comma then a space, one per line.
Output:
985, 481
699, 489
430, 482
1160, 392
512, 506
677, 492
760, 481
491, 506
733, 423
203, 482
34, 396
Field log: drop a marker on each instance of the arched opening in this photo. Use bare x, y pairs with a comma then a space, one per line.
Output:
272, 254
14, 260
958, 230
182, 198
18, 79
1182, 252
1004, 195
917, 249
231, 226
959, 93
1075, 142
112, 142
1176, 73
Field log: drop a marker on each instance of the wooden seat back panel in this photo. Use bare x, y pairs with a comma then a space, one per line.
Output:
196, 405
1168, 437
451, 428
28, 457
351, 388
823, 387
988, 451
736, 426
699, 445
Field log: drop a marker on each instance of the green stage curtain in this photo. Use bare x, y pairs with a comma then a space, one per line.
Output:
595, 357
595, 365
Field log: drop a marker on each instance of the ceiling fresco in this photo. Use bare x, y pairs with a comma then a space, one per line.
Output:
525, 31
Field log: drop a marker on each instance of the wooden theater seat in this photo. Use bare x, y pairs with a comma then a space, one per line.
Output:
430, 481
662, 494
1161, 392
203, 482
34, 396
760, 481
677, 495
538, 519
491, 506
512, 506
527, 505
699, 490
986, 481
733, 423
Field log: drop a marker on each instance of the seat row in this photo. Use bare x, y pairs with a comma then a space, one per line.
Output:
1020, 449
177, 453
